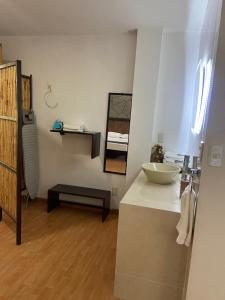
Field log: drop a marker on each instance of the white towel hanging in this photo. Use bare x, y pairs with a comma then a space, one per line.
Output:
186, 223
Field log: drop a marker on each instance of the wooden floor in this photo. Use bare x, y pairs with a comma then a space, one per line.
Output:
67, 254
115, 165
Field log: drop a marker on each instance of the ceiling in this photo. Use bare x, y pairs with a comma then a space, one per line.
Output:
55, 17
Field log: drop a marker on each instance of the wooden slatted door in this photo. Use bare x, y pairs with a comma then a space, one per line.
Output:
11, 143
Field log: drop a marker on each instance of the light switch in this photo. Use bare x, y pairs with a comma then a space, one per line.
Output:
216, 156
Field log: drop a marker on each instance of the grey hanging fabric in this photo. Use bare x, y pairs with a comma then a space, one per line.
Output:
30, 159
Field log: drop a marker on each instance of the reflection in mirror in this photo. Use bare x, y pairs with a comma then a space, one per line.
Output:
117, 133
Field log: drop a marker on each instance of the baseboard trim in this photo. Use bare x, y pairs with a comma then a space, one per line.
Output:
112, 210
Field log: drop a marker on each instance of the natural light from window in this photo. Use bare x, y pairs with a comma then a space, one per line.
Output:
205, 76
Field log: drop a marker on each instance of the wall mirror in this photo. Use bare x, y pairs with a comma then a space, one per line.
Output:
117, 133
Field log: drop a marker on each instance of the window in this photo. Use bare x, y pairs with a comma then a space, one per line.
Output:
205, 76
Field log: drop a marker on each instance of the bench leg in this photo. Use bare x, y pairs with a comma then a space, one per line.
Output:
18, 231
106, 209
53, 200
0, 214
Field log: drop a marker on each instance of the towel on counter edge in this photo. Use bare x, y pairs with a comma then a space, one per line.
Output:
186, 223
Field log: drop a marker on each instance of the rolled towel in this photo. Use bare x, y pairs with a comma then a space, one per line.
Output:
114, 134
124, 136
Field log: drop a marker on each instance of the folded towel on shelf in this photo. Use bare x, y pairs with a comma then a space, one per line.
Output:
114, 134
72, 127
118, 135
186, 223
124, 136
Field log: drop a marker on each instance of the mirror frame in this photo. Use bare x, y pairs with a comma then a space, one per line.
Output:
106, 133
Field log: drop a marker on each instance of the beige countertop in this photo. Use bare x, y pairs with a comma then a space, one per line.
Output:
150, 195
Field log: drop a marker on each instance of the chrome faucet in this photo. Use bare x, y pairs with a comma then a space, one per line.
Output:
185, 169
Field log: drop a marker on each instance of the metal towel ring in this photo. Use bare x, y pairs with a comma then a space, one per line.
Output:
47, 94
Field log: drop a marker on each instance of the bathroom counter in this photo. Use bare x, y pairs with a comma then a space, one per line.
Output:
151, 195
149, 263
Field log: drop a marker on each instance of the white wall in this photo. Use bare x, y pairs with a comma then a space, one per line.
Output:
206, 279
82, 70
144, 99
175, 92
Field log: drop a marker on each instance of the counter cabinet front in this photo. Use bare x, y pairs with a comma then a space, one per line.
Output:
149, 263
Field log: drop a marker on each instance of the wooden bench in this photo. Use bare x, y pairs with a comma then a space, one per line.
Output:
54, 201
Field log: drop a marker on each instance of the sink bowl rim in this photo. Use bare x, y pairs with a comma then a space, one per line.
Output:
176, 169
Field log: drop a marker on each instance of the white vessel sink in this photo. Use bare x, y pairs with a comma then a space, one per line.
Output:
160, 172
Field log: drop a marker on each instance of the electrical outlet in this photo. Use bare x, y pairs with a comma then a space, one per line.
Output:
114, 191
216, 156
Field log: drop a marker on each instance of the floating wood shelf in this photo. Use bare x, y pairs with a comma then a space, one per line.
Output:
95, 136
